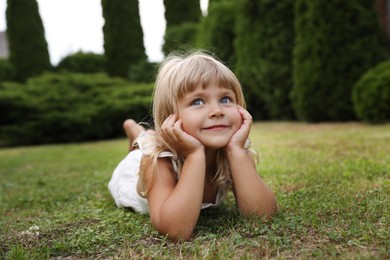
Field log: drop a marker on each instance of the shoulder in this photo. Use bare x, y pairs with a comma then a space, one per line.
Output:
159, 171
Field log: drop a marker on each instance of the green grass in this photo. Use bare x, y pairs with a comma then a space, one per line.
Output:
332, 182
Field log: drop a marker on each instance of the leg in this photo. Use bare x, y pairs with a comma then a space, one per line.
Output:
132, 130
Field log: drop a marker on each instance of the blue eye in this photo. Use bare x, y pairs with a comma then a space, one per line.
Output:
226, 100
197, 102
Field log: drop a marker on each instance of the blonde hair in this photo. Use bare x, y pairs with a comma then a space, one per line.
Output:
178, 75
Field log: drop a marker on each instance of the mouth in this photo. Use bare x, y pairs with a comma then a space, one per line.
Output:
216, 127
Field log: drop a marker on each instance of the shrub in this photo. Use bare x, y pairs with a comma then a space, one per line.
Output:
82, 62
216, 31
26, 37
69, 107
181, 18
143, 71
178, 12
7, 70
123, 36
336, 42
371, 94
180, 37
264, 56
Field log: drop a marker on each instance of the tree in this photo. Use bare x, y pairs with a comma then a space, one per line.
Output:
217, 30
336, 42
177, 12
26, 36
182, 19
264, 43
123, 36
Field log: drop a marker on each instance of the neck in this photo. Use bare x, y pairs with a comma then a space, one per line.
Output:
211, 162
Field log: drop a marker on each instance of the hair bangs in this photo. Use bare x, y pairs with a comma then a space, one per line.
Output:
201, 70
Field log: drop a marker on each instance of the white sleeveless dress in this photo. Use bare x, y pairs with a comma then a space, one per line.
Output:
123, 183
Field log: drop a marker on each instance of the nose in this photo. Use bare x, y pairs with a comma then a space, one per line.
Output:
216, 111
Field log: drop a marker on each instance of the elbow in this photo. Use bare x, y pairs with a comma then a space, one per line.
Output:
175, 232
270, 210
266, 211
176, 235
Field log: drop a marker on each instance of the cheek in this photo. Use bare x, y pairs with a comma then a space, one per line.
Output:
187, 124
236, 119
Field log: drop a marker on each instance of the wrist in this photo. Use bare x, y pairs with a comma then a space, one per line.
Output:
235, 150
197, 153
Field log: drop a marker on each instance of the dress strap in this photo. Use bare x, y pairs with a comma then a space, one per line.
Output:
174, 162
147, 144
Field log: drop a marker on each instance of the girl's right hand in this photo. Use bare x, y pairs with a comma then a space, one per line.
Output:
175, 136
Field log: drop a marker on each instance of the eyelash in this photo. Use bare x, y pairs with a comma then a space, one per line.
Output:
228, 98
193, 103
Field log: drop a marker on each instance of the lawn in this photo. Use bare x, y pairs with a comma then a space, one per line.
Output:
332, 182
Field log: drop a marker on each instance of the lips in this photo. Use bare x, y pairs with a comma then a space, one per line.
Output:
216, 127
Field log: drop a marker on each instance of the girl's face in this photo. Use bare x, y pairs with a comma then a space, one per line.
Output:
210, 115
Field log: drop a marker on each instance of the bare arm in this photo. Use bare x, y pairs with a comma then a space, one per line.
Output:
252, 194
175, 206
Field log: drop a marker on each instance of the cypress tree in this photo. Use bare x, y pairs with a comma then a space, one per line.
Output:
264, 44
26, 36
216, 30
336, 42
177, 12
123, 36
182, 18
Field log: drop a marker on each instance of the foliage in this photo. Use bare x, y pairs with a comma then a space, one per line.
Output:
264, 56
181, 18
180, 37
371, 94
57, 108
336, 42
26, 36
216, 31
143, 71
331, 181
123, 36
7, 70
177, 12
82, 62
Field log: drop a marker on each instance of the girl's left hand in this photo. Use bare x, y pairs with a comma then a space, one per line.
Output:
241, 135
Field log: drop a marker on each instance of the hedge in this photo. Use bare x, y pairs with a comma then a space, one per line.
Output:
336, 42
58, 108
82, 62
371, 94
217, 31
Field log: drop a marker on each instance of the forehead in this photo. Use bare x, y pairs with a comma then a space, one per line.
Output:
203, 85
206, 91
210, 86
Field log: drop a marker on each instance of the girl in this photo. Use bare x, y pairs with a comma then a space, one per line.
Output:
197, 151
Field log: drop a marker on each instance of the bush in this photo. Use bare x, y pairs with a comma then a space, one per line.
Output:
264, 56
26, 39
336, 42
216, 31
180, 37
82, 62
371, 94
123, 36
143, 71
7, 70
68, 107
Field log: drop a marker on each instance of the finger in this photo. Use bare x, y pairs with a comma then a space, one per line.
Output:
246, 116
166, 128
165, 123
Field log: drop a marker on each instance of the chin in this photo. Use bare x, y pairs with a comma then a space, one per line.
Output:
215, 145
